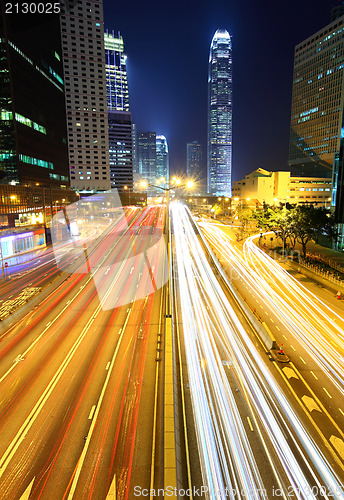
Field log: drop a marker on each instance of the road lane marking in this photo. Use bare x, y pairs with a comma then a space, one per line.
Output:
285, 337
303, 361
310, 403
316, 378
272, 321
293, 347
34, 413
289, 372
48, 324
77, 470
329, 395
278, 328
341, 411
26, 494
41, 335
112, 490
91, 412
338, 444
249, 423
309, 416
107, 366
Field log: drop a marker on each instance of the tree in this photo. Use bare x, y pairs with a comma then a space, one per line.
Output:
310, 223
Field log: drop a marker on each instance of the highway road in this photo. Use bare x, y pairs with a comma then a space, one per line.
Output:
78, 373
252, 437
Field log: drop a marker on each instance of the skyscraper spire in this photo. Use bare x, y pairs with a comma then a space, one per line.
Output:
220, 115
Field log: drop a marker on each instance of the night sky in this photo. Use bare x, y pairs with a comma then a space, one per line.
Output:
167, 44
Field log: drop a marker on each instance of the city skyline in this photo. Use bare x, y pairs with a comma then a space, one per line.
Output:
263, 68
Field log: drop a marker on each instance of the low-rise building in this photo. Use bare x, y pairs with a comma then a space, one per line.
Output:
263, 186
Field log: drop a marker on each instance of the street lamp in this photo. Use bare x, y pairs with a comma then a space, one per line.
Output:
127, 189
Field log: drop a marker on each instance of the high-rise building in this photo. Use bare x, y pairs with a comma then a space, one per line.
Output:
162, 159
317, 101
120, 149
116, 73
86, 103
219, 162
119, 116
194, 161
33, 132
146, 159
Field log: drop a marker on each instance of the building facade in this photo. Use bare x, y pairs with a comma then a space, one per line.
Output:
116, 72
86, 100
33, 132
162, 159
219, 162
146, 159
262, 186
317, 100
120, 150
119, 116
194, 161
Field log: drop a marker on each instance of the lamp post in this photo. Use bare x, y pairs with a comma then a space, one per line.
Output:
167, 190
285, 208
126, 188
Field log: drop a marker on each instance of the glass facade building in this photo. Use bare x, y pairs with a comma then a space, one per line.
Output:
162, 159
219, 164
119, 116
194, 159
146, 159
317, 101
33, 130
116, 73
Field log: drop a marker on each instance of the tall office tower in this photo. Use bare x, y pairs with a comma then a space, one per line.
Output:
317, 101
219, 163
84, 69
116, 73
33, 144
119, 116
162, 159
194, 160
146, 159
120, 150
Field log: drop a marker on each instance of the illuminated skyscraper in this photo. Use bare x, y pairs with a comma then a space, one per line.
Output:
162, 158
146, 159
116, 73
316, 112
219, 163
119, 116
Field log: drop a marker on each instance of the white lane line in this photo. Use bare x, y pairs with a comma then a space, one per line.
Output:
91, 430
303, 361
108, 269
41, 335
284, 336
107, 366
272, 321
316, 378
329, 395
293, 347
92, 412
278, 328
48, 323
341, 411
